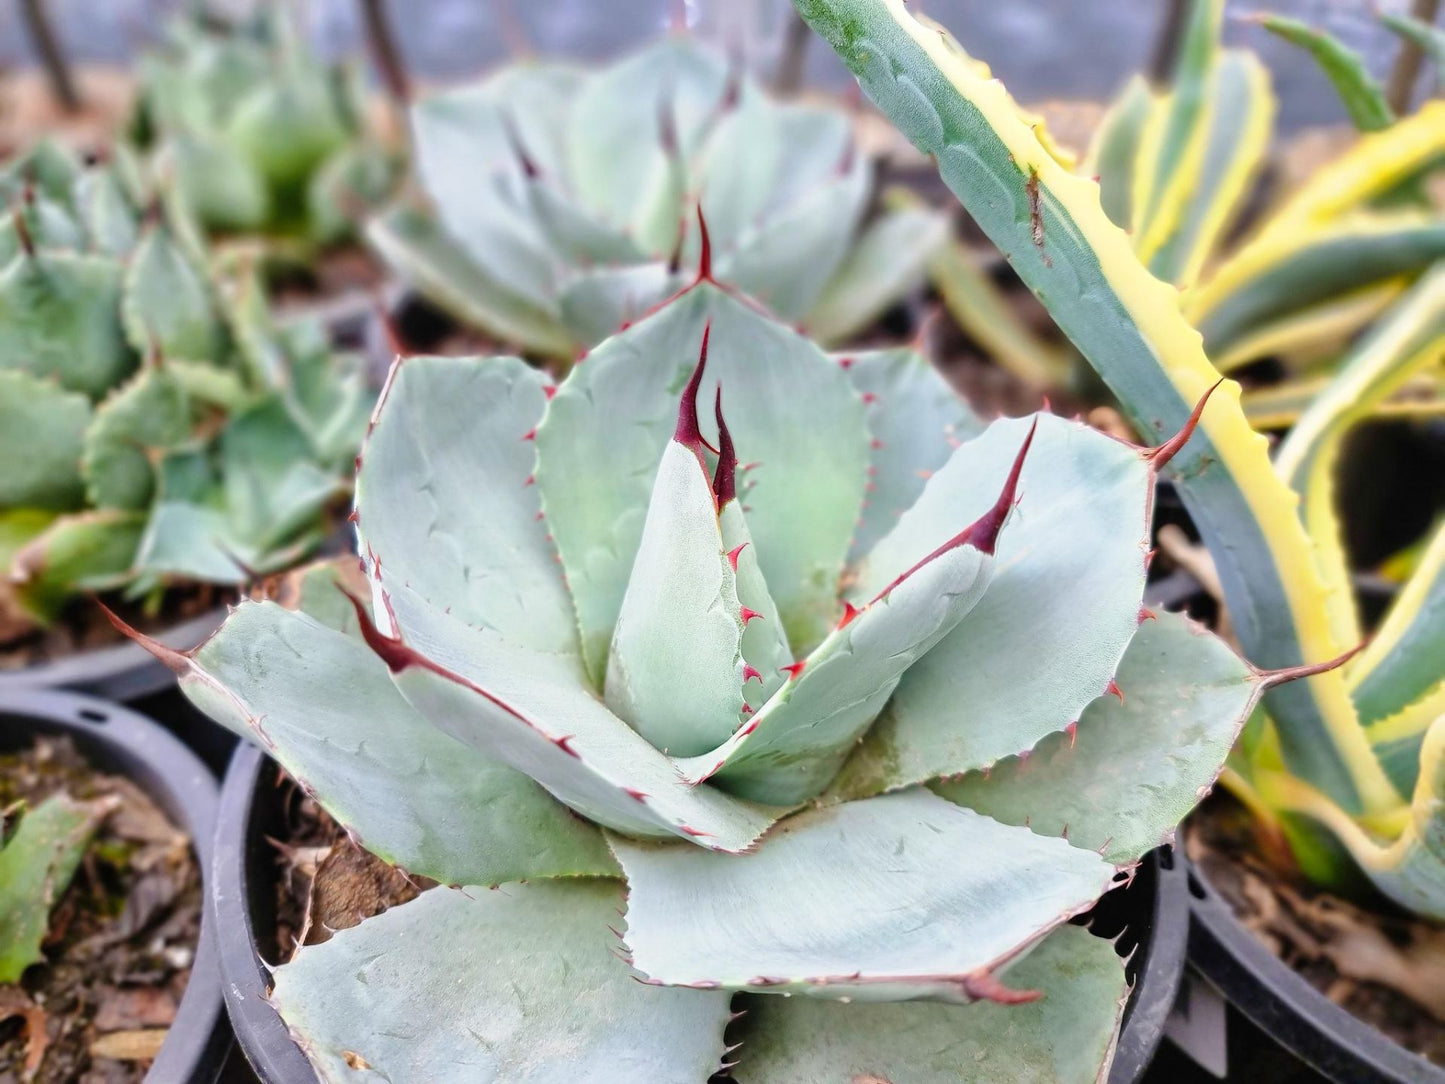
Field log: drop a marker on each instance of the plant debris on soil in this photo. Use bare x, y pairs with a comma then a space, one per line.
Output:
325, 881
1386, 969
84, 627
121, 940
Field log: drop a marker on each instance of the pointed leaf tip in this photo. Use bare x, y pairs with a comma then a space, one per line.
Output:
704, 260
1161, 455
688, 433
389, 649
177, 662
724, 482
1271, 678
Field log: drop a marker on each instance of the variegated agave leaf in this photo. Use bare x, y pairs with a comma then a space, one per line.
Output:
629, 647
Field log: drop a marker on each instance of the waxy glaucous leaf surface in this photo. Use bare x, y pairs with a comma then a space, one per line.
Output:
658, 643
155, 424
560, 202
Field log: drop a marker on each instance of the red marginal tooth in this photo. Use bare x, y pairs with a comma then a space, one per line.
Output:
1072, 730
845, 363
876, 444
749, 728
354, 516
750, 671
849, 612
869, 398
550, 391
696, 833
540, 516
1146, 614
530, 480
747, 615
564, 743
530, 434
635, 795
734, 553
794, 669
725, 478
1114, 690
1175, 444
747, 709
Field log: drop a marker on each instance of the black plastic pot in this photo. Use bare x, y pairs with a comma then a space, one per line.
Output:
122, 742
1304, 1034
1150, 917
127, 673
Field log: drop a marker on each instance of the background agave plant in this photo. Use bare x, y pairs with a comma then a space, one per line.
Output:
561, 201
1348, 762
257, 133
606, 669
155, 424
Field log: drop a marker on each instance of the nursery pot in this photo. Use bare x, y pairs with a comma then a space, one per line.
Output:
127, 673
122, 742
1308, 1027
1150, 917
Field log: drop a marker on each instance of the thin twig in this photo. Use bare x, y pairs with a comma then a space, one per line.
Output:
1401, 85
52, 57
385, 53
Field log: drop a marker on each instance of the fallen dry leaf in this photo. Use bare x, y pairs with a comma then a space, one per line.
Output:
15, 1002
142, 1044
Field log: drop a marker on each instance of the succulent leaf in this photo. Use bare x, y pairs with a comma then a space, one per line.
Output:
42, 428
1115, 148
1077, 484
139, 421
1363, 97
830, 905
619, 409
1136, 763
514, 984
1430, 39
106, 209
93, 550
444, 503
168, 304
1066, 1037
408, 792
36, 865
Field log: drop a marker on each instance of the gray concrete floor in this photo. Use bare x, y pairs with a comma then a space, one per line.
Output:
1041, 48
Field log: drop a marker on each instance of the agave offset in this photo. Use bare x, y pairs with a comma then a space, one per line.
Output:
757, 650
1347, 763
560, 202
155, 425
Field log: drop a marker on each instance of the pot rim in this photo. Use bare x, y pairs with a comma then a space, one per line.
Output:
119, 740
1278, 1000
277, 1059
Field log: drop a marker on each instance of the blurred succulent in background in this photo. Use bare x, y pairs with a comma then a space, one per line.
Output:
1347, 765
257, 133
813, 731
559, 202
155, 424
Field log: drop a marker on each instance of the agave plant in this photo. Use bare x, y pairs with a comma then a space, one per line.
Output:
257, 132
38, 857
1347, 764
155, 425
1179, 165
560, 202
607, 669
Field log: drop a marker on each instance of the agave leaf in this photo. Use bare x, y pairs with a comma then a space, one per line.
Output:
1114, 150
443, 271
49, 225
1430, 39
675, 668
85, 551
537, 713
323, 705
765, 643
865, 900
444, 500
570, 231
618, 410
1066, 1037
1137, 762
599, 301
516, 984
42, 427
146, 416
273, 485
1409, 339
795, 746
58, 316
1315, 333
741, 164
916, 420
1377, 164
168, 305
214, 180
1282, 272
1364, 99
786, 262
195, 541
1175, 138
36, 866
987, 667
109, 216
632, 122
50, 166
1128, 325
1241, 118
888, 259
1396, 682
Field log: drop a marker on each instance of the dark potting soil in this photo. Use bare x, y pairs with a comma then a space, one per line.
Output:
1386, 969
83, 627
121, 940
